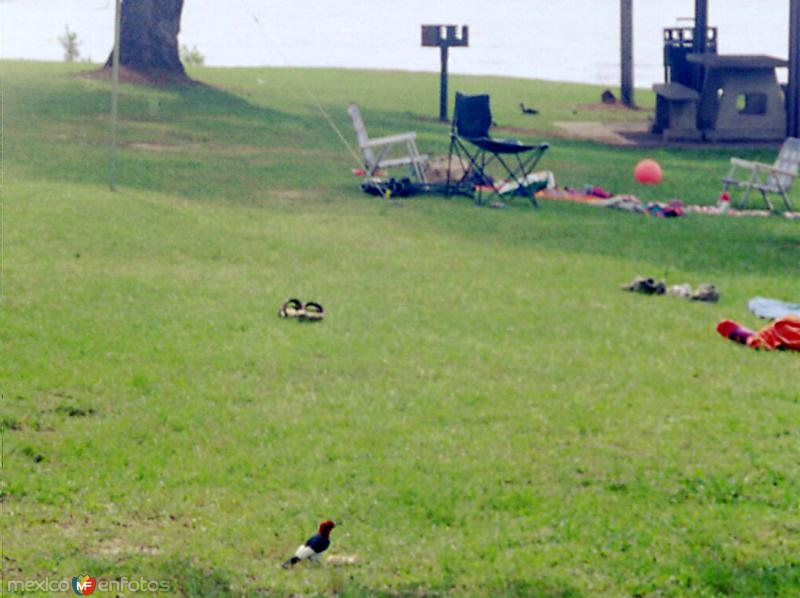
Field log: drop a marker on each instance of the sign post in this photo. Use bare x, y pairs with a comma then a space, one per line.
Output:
444, 36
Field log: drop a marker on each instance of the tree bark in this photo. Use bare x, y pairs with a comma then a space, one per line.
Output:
149, 38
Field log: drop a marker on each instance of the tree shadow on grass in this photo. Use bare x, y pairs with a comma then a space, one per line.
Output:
82, 95
206, 100
204, 142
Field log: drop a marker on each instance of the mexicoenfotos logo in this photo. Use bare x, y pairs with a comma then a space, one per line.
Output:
84, 585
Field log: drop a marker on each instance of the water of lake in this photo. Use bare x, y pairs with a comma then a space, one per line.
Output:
568, 40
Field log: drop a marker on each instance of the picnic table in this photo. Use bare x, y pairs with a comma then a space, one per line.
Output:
741, 98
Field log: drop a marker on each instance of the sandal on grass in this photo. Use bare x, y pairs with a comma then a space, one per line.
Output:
706, 292
313, 312
293, 308
648, 286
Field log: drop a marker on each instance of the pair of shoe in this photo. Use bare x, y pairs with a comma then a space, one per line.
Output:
294, 308
705, 292
648, 286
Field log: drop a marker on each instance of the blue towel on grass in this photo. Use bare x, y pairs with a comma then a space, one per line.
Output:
772, 309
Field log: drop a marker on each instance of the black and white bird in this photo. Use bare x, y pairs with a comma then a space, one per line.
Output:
526, 110
314, 547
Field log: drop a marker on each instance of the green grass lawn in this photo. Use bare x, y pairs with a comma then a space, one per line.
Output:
483, 411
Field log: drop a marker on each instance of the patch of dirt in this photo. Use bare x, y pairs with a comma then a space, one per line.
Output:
619, 133
137, 78
524, 131
612, 134
612, 107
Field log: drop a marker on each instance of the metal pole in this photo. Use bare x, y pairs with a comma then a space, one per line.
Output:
443, 86
700, 41
793, 87
700, 26
626, 47
114, 94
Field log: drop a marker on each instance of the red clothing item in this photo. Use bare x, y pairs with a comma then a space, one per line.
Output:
783, 333
734, 331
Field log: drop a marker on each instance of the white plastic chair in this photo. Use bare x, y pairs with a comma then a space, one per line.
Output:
376, 151
765, 178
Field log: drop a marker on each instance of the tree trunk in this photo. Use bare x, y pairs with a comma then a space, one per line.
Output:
149, 38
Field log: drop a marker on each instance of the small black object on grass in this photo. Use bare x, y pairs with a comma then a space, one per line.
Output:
608, 97
648, 286
308, 312
314, 312
293, 308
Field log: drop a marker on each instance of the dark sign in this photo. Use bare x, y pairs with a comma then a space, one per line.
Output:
444, 37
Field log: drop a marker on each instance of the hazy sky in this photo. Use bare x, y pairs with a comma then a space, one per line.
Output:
567, 39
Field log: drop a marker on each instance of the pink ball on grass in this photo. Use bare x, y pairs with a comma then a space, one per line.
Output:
647, 172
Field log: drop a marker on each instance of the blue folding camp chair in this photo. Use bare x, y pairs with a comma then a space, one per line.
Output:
476, 151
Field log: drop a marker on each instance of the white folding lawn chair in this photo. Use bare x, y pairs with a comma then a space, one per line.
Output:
376, 151
765, 178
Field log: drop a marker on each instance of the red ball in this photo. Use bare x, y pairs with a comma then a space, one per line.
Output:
647, 172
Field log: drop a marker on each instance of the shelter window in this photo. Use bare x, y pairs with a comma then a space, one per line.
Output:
751, 103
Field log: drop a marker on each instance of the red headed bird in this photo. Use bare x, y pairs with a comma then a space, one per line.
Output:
314, 546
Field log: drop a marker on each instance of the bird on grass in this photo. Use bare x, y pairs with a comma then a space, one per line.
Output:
526, 110
314, 547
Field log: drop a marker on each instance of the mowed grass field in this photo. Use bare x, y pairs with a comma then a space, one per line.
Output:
483, 412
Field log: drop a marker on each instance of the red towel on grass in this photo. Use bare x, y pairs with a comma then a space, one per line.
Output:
781, 334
